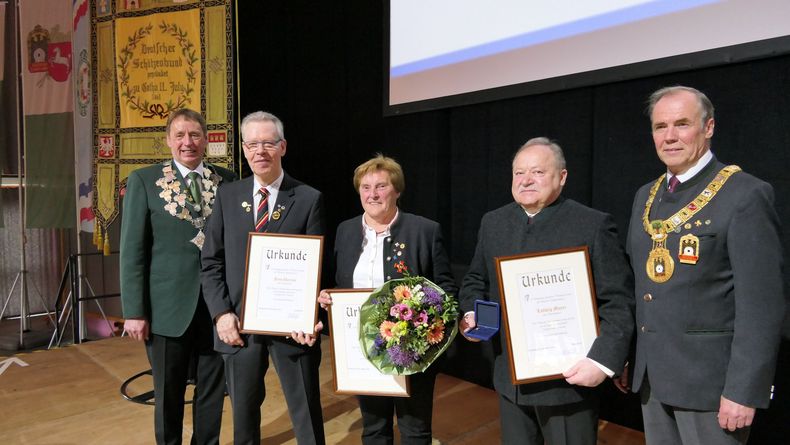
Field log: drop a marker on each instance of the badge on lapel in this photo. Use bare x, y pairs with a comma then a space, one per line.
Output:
688, 250
278, 212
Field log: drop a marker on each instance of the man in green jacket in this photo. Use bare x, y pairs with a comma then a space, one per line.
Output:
164, 211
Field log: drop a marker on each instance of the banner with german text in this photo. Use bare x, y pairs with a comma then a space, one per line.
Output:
153, 57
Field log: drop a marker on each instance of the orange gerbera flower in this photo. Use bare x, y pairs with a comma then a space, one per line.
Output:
386, 329
436, 333
401, 293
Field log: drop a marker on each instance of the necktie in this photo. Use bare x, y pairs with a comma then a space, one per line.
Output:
673, 183
194, 187
263, 210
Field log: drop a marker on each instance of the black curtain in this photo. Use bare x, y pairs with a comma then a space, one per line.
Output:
319, 67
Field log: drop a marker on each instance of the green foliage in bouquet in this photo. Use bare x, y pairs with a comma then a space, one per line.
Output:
406, 324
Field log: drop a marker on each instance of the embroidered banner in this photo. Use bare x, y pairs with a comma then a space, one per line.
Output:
158, 66
83, 119
3, 137
47, 60
152, 57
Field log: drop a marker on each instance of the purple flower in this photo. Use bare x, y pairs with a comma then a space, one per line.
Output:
401, 311
401, 357
421, 318
431, 296
378, 344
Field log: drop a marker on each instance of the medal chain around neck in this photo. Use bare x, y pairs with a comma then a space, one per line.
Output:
688, 211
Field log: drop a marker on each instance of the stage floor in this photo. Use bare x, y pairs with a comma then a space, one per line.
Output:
71, 396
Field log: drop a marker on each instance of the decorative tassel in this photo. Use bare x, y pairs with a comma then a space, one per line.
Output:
99, 240
106, 244
96, 229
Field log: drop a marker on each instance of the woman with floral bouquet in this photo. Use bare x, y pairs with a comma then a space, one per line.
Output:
383, 244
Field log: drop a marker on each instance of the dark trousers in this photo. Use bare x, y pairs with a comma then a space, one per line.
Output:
297, 368
571, 424
666, 424
171, 358
414, 413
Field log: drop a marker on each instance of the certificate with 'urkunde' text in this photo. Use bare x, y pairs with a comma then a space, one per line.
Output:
549, 309
281, 283
353, 373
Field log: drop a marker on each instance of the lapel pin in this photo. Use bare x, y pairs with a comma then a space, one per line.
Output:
246, 206
278, 213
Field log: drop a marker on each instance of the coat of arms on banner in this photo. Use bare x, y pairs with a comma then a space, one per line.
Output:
49, 51
217, 143
106, 146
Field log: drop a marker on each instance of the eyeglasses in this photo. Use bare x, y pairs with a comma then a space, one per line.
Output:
267, 145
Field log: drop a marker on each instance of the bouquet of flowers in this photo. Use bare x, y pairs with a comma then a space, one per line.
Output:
406, 324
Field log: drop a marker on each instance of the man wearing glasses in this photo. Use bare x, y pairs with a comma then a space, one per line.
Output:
268, 201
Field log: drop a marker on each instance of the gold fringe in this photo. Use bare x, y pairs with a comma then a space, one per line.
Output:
96, 232
99, 240
106, 244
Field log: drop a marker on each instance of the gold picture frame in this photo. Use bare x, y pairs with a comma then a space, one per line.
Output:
549, 311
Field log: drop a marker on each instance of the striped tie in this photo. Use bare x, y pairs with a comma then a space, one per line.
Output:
263, 210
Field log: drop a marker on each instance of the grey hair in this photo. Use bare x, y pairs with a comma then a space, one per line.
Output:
705, 105
263, 116
559, 156
189, 115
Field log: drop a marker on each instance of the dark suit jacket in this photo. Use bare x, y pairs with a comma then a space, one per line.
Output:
160, 267
422, 252
713, 328
565, 223
225, 251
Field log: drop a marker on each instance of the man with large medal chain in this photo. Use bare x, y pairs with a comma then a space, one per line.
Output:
164, 211
660, 264
703, 240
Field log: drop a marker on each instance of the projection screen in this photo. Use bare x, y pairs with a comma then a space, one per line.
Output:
451, 52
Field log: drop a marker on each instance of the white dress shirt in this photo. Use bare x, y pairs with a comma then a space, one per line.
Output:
184, 170
274, 190
369, 271
691, 172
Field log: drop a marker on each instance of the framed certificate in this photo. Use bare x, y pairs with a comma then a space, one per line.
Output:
281, 283
353, 373
549, 311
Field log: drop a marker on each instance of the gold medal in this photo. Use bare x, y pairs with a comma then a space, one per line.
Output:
688, 250
278, 212
660, 265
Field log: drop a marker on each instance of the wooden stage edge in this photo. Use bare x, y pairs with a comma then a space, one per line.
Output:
71, 396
